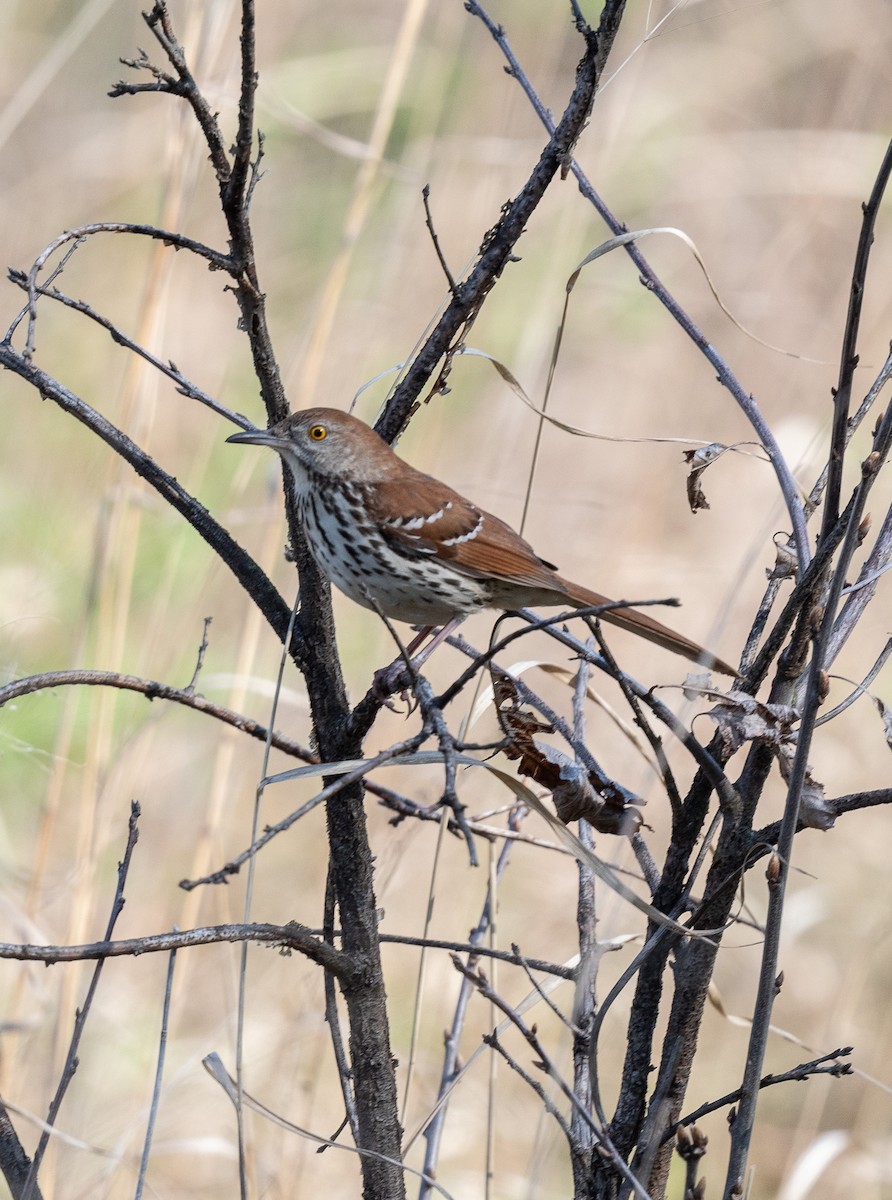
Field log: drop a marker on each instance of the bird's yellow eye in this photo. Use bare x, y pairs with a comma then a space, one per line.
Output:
318, 432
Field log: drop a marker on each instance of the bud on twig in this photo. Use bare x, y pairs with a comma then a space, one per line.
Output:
772, 871
870, 464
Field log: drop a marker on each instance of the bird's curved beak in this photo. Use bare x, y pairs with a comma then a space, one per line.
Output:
257, 437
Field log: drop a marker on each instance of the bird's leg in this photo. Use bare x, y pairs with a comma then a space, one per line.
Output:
421, 632
387, 679
440, 636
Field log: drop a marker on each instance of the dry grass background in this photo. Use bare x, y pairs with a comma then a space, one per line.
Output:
756, 128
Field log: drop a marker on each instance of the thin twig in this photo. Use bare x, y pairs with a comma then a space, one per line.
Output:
450, 1071
199, 661
184, 85
249, 574
183, 385
338, 785
153, 690
827, 1064
80, 1020
852, 425
214, 258
849, 353
860, 689
652, 283
236, 192
213, 1065
495, 1043
159, 1075
248, 902
583, 1143
429, 222
332, 1018
764, 840
292, 936
655, 742
435, 722
859, 595
497, 248
545, 1064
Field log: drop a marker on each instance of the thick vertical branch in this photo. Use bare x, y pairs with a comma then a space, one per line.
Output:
351, 858
694, 966
779, 871
686, 830
371, 1058
374, 1081
498, 245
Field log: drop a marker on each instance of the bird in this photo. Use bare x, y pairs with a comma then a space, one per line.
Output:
399, 541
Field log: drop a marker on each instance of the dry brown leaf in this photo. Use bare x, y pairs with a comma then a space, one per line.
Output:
578, 794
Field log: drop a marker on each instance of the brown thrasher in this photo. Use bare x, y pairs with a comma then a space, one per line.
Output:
391, 536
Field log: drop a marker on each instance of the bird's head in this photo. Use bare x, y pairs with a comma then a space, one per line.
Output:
324, 441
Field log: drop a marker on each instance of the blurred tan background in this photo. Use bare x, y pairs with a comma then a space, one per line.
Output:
756, 129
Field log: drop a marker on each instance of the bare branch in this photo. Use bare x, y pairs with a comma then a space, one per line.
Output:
651, 281
827, 1064
498, 245
169, 369
153, 690
14, 1162
159, 1075
849, 353
80, 1020
183, 84
248, 573
292, 936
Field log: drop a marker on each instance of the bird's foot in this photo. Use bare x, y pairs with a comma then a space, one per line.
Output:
399, 676
387, 681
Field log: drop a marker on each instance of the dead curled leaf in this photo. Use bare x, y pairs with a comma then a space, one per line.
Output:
886, 717
741, 718
696, 496
786, 560
704, 456
698, 461
578, 793
815, 812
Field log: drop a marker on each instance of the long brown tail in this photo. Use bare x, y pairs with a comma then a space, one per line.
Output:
646, 627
